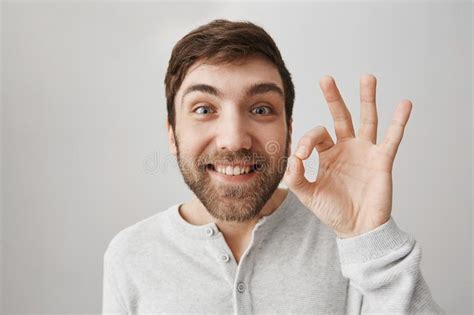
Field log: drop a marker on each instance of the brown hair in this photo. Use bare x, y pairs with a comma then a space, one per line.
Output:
223, 41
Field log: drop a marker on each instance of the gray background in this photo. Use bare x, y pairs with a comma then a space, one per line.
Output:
84, 149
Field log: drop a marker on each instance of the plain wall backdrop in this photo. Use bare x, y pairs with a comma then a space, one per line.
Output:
84, 147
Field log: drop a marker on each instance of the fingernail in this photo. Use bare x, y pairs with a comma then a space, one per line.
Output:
302, 151
291, 164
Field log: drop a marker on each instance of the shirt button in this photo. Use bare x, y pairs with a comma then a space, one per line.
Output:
209, 231
225, 257
241, 287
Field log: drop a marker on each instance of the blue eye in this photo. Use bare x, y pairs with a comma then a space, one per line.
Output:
266, 110
205, 110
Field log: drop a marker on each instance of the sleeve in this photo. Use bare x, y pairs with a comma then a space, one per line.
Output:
112, 302
383, 268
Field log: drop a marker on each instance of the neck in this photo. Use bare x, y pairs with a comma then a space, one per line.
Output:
195, 213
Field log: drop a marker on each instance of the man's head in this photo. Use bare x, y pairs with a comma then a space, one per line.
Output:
229, 100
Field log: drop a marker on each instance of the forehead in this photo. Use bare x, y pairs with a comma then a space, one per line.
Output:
232, 78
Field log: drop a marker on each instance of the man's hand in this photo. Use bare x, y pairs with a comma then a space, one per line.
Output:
352, 193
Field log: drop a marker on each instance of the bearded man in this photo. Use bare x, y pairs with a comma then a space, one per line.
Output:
243, 244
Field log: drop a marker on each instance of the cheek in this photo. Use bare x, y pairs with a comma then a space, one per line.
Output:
192, 143
273, 141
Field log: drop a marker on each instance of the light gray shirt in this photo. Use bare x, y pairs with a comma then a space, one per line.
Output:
293, 264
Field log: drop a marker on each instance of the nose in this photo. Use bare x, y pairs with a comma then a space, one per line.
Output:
233, 133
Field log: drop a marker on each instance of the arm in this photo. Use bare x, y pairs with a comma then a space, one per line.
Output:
383, 266
352, 195
112, 302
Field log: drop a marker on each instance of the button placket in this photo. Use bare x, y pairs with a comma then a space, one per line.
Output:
221, 253
225, 257
241, 287
209, 231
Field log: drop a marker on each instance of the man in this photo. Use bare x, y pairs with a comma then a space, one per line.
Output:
243, 245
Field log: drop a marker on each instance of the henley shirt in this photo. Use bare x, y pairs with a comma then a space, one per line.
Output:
293, 264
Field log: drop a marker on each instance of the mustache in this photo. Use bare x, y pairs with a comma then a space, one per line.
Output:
237, 157
243, 156
234, 157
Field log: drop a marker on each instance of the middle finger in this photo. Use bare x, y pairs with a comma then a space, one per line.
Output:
341, 115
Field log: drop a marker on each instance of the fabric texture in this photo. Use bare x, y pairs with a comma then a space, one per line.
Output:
293, 264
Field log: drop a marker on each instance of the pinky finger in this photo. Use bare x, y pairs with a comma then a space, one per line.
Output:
394, 134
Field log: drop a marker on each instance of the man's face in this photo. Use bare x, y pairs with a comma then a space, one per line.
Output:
230, 119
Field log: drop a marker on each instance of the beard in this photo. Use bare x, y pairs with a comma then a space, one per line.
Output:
235, 202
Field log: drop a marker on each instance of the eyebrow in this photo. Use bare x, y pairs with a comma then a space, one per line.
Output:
254, 89
262, 88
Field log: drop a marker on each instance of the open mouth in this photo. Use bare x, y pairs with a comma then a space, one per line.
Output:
234, 170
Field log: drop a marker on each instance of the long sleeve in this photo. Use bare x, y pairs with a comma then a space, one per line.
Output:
111, 299
383, 268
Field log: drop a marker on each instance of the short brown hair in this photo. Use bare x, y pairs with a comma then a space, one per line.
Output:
223, 41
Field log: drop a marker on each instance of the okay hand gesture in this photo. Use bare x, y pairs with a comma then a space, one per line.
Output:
352, 193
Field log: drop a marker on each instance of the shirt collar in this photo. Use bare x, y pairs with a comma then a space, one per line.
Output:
210, 230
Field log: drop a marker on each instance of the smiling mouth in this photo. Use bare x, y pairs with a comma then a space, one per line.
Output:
234, 170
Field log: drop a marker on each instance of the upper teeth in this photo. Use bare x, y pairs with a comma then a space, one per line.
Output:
229, 170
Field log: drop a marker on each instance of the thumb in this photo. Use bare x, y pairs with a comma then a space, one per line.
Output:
294, 177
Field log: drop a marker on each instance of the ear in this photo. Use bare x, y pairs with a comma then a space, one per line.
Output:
171, 139
290, 132
290, 127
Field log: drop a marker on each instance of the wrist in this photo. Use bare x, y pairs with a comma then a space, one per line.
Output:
360, 230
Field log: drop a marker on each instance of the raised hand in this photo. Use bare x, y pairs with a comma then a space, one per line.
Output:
352, 193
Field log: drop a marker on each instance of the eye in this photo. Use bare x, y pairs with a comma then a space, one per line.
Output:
202, 110
262, 110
